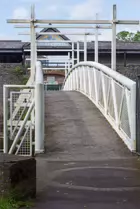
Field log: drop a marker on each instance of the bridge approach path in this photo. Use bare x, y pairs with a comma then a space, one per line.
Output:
85, 164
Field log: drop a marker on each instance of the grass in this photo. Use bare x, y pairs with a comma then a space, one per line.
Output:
10, 203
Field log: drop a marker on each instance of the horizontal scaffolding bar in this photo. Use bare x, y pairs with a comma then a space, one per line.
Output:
66, 26
18, 21
56, 41
50, 61
51, 68
54, 50
55, 33
128, 22
20, 86
99, 22
73, 21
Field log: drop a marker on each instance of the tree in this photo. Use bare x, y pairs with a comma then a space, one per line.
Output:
137, 36
128, 36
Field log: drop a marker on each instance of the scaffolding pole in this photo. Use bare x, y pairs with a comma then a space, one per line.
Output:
78, 53
96, 42
113, 58
85, 48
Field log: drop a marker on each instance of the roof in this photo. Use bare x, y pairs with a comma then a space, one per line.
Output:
11, 44
17, 45
55, 30
106, 45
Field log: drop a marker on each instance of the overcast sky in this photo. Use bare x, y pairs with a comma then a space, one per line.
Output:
67, 9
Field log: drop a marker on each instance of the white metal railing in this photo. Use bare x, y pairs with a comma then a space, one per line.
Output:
23, 115
112, 93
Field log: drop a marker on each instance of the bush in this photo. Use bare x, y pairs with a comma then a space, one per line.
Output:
18, 70
10, 203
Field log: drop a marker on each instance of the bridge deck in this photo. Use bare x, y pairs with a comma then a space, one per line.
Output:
86, 165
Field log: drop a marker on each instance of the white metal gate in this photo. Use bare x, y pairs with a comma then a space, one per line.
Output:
18, 119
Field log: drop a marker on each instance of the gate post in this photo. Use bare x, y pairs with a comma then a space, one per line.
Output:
138, 114
39, 110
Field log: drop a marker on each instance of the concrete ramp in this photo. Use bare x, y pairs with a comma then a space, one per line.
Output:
76, 130
86, 164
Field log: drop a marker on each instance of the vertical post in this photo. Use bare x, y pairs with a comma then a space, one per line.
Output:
65, 69
5, 119
124, 59
85, 47
96, 42
68, 61
33, 43
113, 59
39, 110
72, 54
78, 55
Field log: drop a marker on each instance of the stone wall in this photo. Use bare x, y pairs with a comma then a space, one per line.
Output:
8, 75
131, 71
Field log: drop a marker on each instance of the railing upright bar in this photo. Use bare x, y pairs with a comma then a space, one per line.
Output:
5, 118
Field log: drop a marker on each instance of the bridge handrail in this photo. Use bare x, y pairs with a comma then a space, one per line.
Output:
112, 93
115, 75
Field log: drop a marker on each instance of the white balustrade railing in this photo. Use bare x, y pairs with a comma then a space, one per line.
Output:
112, 93
23, 115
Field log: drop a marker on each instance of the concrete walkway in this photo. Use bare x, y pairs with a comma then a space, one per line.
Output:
86, 165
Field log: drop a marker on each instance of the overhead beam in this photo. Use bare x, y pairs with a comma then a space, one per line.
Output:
66, 26
53, 50
99, 22
18, 21
61, 34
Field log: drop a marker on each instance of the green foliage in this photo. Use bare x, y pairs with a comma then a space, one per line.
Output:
21, 74
18, 70
11, 203
128, 36
25, 78
137, 36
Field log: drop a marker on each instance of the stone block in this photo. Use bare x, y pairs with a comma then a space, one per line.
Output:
17, 176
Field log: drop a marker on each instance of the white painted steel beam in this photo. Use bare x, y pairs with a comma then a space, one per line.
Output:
65, 26
96, 43
78, 54
113, 54
39, 109
100, 22
85, 48
53, 50
61, 34
73, 54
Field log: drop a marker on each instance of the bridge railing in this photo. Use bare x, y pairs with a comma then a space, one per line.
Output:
112, 93
23, 110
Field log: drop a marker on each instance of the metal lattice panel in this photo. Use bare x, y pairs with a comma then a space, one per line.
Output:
124, 120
